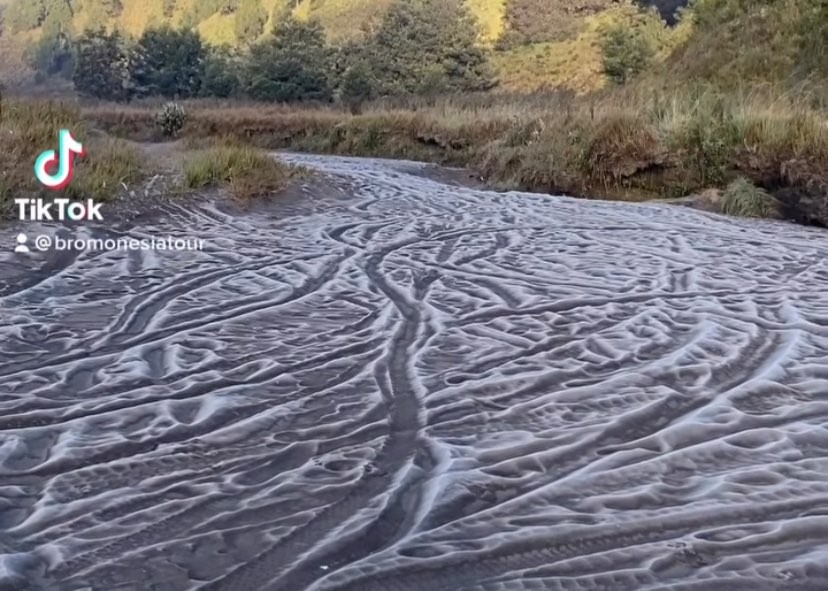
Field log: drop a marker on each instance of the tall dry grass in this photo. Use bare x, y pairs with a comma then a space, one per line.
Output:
631, 143
246, 171
28, 128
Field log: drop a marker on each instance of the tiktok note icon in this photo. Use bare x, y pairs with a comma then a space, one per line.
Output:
45, 164
21, 243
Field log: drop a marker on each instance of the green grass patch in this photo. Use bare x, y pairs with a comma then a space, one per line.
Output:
247, 171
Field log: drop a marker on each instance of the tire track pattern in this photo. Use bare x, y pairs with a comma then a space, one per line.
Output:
409, 385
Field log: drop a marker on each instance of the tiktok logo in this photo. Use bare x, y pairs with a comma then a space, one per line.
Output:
46, 162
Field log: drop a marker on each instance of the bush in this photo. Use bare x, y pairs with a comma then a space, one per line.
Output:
625, 54
29, 127
171, 119
742, 198
115, 164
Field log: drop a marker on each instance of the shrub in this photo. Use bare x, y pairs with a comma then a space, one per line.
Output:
625, 53
171, 119
29, 127
742, 198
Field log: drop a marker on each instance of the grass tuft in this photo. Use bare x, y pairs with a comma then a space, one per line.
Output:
111, 165
247, 171
742, 198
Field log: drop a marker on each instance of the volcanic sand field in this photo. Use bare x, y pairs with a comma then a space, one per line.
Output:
412, 385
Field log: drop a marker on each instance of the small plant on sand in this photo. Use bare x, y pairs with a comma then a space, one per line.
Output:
742, 198
247, 171
171, 119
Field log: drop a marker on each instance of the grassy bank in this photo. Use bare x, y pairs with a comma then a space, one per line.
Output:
28, 128
624, 144
111, 166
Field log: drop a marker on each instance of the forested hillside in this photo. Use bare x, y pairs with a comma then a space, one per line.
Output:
525, 35
529, 44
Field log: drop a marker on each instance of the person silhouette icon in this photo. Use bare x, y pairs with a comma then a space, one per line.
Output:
21, 243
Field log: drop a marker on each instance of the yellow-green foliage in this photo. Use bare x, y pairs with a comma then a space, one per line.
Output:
576, 64
739, 42
731, 43
342, 19
137, 15
218, 29
489, 14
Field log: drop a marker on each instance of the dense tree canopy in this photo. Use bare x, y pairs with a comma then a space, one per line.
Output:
428, 45
294, 64
102, 65
173, 63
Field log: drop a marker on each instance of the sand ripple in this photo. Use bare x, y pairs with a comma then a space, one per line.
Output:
418, 386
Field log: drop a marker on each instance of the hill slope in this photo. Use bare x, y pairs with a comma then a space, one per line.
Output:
537, 43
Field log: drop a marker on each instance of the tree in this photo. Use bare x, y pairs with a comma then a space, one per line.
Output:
221, 74
625, 53
294, 64
102, 65
358, 86
250, 21
422, 45
172, 62
52, 55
